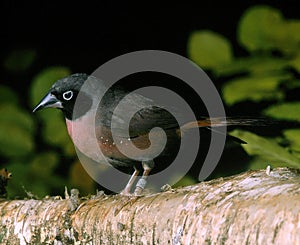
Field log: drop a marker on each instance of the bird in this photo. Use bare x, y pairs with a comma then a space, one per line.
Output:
92, 119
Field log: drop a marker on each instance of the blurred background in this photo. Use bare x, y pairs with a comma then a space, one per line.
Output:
250, 49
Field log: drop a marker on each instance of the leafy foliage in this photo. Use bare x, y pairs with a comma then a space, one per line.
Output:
267, 149
268, 73
213, 47
286, 111
263, 28
253, 88
16, 138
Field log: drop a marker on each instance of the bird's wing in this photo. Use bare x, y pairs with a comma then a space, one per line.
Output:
141, 112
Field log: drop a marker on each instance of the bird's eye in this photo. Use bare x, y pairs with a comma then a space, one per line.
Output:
68, 95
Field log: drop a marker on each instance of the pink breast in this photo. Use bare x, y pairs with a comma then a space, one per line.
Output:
69, 127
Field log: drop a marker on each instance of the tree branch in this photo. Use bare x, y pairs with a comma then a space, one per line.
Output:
256, 207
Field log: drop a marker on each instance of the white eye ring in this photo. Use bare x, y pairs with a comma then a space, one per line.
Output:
68, 95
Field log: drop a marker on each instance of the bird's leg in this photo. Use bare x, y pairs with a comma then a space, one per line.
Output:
147, 166
128, 187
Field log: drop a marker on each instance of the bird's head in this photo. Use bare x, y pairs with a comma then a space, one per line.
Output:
63, 95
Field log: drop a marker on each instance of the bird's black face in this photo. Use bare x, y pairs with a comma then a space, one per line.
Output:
63, 95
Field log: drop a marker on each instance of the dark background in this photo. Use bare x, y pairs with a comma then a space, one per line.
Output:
83, 36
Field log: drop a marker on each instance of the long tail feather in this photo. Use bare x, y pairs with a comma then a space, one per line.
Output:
213, 123
229, 121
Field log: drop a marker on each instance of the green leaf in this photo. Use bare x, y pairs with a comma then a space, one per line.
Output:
259, 28
254, 65
290, 39
254, 88
20, 60
293, 31
208, 49
293, 136
7, 95
16, 131
15, 116
285, 111
266, 148
14, 141
44, 80
54, 130
295, 62
264, 28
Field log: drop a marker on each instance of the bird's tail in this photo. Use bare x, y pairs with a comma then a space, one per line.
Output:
214, 123
228, 121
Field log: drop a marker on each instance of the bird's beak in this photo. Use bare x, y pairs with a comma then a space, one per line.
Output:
49, 100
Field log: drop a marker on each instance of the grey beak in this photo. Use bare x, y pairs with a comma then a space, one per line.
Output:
49, 100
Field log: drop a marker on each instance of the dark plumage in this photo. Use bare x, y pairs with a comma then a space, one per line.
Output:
89, 115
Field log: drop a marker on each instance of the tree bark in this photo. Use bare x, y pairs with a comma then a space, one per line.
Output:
255, 207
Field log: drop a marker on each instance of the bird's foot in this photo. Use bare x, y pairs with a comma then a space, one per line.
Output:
126, 192
140, 186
